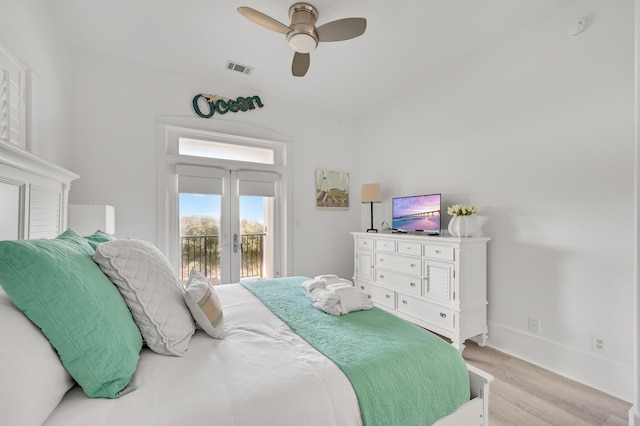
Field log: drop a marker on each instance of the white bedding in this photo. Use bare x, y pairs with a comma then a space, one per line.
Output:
262, 373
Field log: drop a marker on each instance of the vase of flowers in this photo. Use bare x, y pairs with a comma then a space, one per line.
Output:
462, 223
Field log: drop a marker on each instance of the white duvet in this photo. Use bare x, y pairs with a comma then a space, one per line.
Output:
262, 373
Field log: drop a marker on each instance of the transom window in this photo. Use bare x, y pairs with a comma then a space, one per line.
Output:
225, 151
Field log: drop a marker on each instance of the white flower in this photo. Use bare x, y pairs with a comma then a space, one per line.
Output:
461, 210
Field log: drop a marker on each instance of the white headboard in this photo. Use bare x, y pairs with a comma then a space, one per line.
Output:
33, 195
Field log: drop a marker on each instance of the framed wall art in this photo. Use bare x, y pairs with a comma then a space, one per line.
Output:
332, 190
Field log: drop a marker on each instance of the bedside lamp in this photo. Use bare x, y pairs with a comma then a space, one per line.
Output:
371, 194
86, 219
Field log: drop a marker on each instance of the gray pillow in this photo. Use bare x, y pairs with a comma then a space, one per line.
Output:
152, 291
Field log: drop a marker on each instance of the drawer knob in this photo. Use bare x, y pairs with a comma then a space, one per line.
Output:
438, 251
387, 296
382, 277
443, 315
404, 302
413, 265
408, 248
381, 260
413, 284
361, 287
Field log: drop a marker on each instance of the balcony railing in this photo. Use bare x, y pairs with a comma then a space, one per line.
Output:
203, 253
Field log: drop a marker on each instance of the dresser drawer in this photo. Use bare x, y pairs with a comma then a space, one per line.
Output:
438, 252
383, 296
386, 245
404, 283
426, 311
362, 286
364, 243
410, 248
405, 264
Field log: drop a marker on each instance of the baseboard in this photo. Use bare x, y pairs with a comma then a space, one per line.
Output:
605, 375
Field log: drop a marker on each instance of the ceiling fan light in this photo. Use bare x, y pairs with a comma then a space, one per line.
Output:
302, 42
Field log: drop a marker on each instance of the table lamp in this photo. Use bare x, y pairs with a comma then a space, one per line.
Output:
371, 194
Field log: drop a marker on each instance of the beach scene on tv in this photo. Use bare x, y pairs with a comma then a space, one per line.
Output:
419, 213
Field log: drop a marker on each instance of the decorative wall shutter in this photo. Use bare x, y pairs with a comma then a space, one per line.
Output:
12, 100
44, 213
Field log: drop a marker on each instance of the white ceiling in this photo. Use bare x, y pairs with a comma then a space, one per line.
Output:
405, 41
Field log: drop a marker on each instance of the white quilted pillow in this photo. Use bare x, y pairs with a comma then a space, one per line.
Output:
152, 291
204, 304
32, 378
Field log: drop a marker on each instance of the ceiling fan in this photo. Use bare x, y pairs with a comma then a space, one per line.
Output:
302, 34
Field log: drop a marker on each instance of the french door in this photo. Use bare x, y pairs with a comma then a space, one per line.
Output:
227, 223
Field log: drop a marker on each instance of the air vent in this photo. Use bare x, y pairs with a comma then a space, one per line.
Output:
244, 69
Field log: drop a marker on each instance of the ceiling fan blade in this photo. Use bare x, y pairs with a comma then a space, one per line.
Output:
342, 29
300, 64
264, 20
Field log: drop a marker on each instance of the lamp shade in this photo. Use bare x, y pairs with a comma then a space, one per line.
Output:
371, 193
86, 219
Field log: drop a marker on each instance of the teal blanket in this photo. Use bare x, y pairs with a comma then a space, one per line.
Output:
402, 374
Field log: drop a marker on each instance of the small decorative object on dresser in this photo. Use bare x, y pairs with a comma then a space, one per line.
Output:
462, 223
439, 283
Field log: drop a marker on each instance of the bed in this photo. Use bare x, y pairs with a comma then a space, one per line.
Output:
262, 372
73, 351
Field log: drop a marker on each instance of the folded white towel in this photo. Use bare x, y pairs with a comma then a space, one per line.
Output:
325, 300
339, 284
325, 277
325, 296
329, 278
321, 282
352, 299
329, 308
310, 285
335, 295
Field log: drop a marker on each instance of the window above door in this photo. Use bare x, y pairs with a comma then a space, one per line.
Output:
226, 151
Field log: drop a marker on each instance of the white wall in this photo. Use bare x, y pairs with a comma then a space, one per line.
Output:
28, 32
538, 132
116, 105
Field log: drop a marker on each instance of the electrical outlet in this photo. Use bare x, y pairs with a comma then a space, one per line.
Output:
599, 343
534, 325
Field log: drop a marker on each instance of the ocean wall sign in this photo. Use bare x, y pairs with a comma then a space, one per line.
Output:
222, 105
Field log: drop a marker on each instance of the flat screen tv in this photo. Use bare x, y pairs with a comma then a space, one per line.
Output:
420, 213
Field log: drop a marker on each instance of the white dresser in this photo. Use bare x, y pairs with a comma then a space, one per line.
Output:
439, 283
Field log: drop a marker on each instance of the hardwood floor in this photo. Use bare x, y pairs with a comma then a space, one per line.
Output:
522, 394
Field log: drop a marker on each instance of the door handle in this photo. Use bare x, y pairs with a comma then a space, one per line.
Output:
235, 243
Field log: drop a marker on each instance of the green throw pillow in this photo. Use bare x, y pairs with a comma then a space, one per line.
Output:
59, 287
97, 238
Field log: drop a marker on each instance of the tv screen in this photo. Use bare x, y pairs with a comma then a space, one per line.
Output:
417, 213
